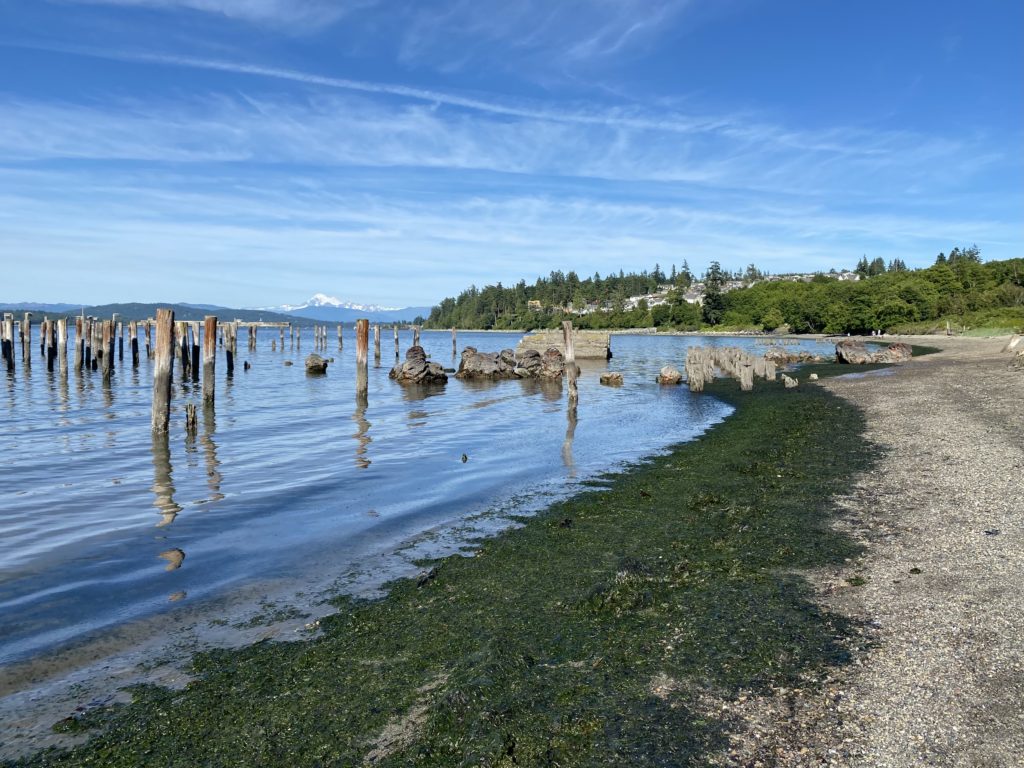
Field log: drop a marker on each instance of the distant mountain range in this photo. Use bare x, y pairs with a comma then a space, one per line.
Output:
333, 310
320, 308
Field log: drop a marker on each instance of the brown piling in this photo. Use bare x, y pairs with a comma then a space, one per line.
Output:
26, 339
229, 348
87, 340
7, 340
42, 338
362, 345
415, 335
133, 341
376, 345
108, 349
62, 345
455, 344
120, 341
341, 341
281, 330
195, 351
570, 360
209, 358
298, 338
149, 340
163, 368
182, 351
79, 343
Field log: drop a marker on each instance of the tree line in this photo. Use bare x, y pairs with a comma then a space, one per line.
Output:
886, 297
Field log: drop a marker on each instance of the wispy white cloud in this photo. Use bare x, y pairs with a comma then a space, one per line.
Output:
293, 13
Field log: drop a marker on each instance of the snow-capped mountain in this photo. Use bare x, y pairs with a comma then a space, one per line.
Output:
320, 306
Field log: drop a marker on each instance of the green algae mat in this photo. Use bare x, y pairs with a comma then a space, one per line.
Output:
594, 634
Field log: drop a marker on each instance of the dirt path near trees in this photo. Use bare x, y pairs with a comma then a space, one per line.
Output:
940, 589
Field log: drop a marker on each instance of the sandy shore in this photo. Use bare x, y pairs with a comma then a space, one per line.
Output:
939, 679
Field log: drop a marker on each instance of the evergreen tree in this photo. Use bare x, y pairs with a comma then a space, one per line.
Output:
713, 307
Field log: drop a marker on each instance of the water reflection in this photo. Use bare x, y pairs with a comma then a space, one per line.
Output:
413, 393
362, 437
549, 389
163, 481
570, 435
213, 476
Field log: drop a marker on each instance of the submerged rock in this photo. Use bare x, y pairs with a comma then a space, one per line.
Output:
612, 379
418, 370
316, 364
670, 375
507, 365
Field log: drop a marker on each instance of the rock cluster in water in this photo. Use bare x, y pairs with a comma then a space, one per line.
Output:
316, 364
506, 364
853, 352
417, 369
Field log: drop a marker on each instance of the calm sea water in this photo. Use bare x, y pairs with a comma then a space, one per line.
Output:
289, 476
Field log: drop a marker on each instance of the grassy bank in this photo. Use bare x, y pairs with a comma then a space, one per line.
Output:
589, 636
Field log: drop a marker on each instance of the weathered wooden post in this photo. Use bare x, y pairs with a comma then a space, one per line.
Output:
112, 342
298, 337
62, 345
229, 349
455, 344
108, 349
7, 340
341, 341
376, 345
79, 343
50, 343
209, 358
362, 346
195, 351
415, 335
26, 339
149, 340
120, 341
87, 338
133, 341
163, 368
42, 337
570, 360
395, 329
281, 329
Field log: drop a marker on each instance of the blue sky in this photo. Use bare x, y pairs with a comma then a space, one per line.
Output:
252, 152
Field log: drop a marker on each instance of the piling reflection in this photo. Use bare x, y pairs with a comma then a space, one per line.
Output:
213, 475
570, 435
163, 481
362, 436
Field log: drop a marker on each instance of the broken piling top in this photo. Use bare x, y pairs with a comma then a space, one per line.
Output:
587, 345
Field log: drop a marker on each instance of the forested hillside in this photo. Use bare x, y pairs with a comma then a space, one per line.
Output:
959, 288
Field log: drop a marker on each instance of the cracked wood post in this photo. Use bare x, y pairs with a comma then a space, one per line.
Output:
362, 344
229, 348
163, 368
79, 343
112, 342
108, 349
181, 346
51, 343
570, 360
209, 358
7, 340
133, 341
454, 344
195, 351
26, 339
148, 330
87, 342
120, 341
376, 345
415, 335
42, 337
62, 345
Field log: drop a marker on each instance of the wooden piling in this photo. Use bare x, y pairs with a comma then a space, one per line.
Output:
455, 345
415, 335
79, 343
229, 349
376, 345
362, 345
42, 338
7, 341
133, 342
111, 345
570, 361
395, 329
26, 339
108, 349
298, 338
341, 341
209, 358
195, 351
62, 345
281, 342
163, 368
120, 341
149, 340
87, 340
49, 343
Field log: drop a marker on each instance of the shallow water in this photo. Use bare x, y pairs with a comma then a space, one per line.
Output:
102, 525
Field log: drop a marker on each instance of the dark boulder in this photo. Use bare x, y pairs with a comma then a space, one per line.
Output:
417, 369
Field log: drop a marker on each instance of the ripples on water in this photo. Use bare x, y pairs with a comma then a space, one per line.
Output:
102, 523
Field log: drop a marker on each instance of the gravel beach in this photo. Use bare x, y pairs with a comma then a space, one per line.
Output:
937, 677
